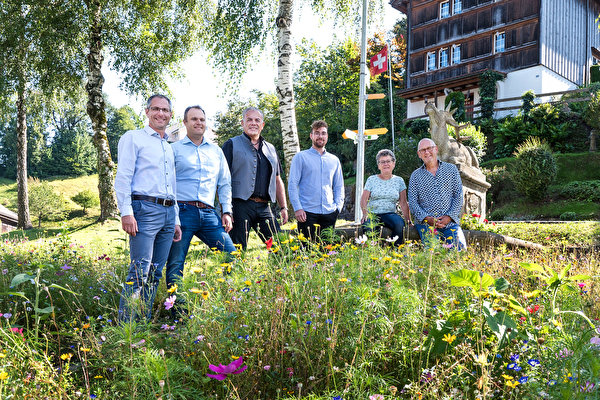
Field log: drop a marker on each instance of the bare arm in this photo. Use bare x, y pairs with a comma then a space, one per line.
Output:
280, 195
364, 199
404, 207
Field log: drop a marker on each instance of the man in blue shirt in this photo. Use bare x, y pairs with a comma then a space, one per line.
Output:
316, 185
435, 197
145, 189
202, 172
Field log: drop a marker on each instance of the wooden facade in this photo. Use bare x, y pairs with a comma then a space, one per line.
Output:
451, 42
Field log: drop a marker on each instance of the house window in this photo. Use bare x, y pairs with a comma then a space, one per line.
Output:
431, 61
444, 57
456, 54
457, 7
445, 9
499, 42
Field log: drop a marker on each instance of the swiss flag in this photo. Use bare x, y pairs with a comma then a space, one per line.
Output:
379, 62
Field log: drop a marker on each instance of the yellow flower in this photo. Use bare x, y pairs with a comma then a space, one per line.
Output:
456, 302
66, 356
507, 377
3, 375
301, 236
86, 326
317, 225
194, 242
343, 280
374, 258
205, 294
319, 259
235, 253
172, 289
223, 265
2, 355
220, 280
295, 248
234, 357
196, 270
449, 338
394, 261
279, 270
85, 349
337, 260
511, 384
285, 242
412, 271
195, 290
387, 258
129, 283
247, 283
98, 377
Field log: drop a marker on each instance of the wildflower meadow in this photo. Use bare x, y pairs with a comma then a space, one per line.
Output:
353, 318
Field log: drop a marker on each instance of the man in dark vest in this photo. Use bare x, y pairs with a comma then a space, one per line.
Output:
255, 181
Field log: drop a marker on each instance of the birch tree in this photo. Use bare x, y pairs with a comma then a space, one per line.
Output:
146, 42
33, 57
250, 24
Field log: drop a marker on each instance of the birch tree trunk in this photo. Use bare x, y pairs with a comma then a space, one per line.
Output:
24, 219
97, 113
285, 88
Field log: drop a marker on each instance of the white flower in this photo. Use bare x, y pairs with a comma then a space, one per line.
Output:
361, 239
392, 239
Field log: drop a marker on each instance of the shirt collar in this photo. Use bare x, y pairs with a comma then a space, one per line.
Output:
187, 140
316, 152
152, 132
260, 138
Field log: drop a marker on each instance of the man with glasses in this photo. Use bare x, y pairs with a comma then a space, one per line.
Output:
316, 185
255, 180
202, 172
435, 197
145, 188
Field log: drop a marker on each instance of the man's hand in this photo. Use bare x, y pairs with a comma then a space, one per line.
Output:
442, 222
129, 224
227, 221
431, 221
300, 215
284, 216
177, 235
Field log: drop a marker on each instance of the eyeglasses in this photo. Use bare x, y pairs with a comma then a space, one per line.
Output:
427, 149
320, 133
385, 161
157, 109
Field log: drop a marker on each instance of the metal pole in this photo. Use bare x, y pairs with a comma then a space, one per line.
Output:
391, 95
362, 102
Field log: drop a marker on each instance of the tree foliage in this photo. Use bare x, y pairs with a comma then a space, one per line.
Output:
44, 202
86, 199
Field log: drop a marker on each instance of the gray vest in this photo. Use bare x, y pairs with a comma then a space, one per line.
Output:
243, 167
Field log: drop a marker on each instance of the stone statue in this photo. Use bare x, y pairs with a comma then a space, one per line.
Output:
592, 138
453, 151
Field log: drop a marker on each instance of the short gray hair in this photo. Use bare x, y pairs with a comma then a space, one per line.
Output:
253, 109
160, 96
384, 153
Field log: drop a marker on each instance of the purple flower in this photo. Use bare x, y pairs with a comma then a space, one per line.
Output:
170, 302
224, 370
66, 267
523, 379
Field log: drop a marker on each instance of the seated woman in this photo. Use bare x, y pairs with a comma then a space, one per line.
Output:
382, 192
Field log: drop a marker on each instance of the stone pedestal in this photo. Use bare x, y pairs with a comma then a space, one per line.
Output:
475, 188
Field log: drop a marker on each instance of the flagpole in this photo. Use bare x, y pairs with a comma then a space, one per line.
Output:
362, 102
389, 57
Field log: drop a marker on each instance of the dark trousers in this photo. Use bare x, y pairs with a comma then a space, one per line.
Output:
247, 215
323, 221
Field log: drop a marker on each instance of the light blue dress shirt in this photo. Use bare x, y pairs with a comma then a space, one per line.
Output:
145, 166
316, 183
201, 172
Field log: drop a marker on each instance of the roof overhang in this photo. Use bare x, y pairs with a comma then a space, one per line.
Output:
430, 90
400, 5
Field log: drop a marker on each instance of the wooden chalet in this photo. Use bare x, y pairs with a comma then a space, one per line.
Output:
8, 219
541, 45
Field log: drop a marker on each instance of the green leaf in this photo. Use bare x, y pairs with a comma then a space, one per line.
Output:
579, 278
515, 305
473, 279
564, 271
54, 285
533, 267
46, 310
501, 284
17, 280
20, 294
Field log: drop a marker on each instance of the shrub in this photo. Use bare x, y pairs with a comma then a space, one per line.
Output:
587, 191
568, 216
86, 199
534, 169
476, 141
458, 102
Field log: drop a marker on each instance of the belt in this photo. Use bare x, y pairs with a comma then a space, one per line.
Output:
162, 202
197, 204
258, 200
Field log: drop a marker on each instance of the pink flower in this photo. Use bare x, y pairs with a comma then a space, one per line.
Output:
224, 370
170, 302
581, 285
267, 367
376, 397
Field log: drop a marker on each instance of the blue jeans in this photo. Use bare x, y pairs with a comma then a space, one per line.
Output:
394, 222
452, 234
148, 251
207, 226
